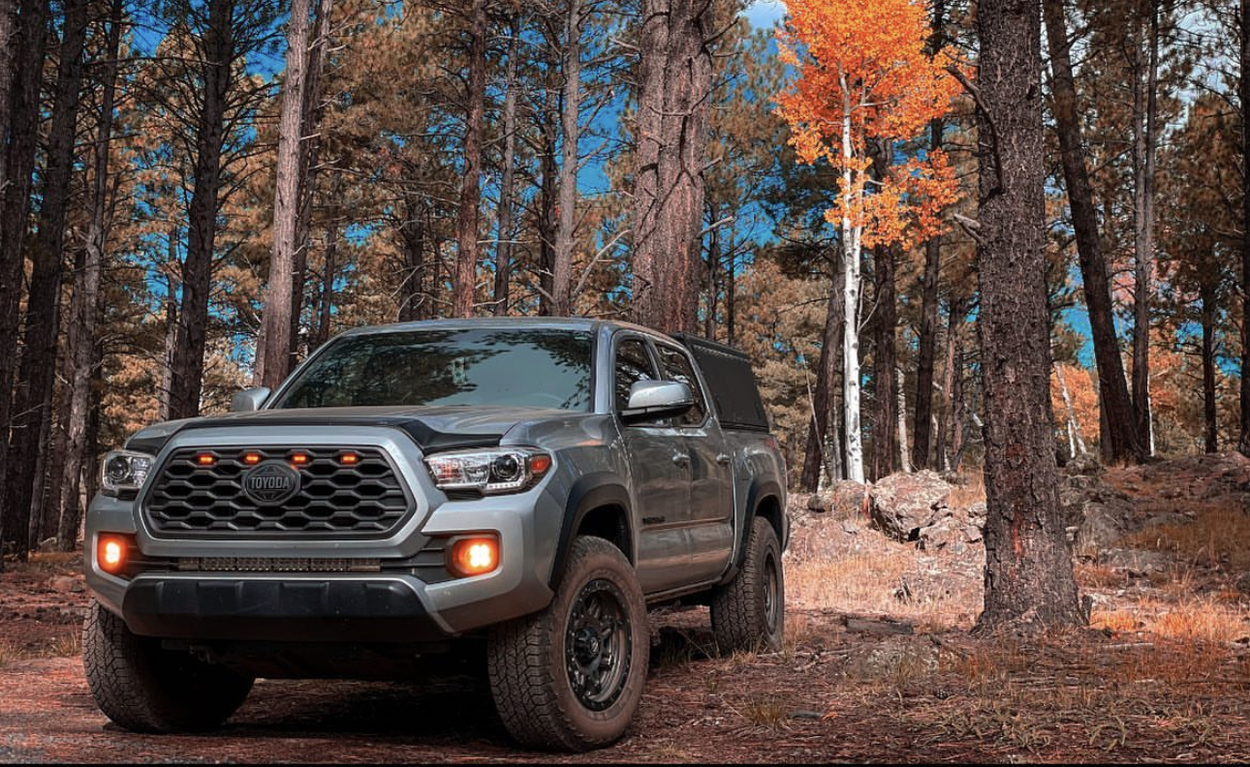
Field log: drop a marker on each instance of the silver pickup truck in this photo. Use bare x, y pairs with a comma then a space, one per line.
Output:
529, 487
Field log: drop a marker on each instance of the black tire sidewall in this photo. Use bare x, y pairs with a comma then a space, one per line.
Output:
740, 608
767, 548
595, 559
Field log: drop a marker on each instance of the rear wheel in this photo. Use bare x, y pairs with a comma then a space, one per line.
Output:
145, 688
571, 676
748, 613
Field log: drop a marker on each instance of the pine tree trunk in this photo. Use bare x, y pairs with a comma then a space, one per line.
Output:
48, 501
1210, 431
1029, 583
818, 432
927, 344
1243, 443
8, 60
325, 292
165, 392
187, 368
1119, 440
22, 123
412, 232
713, 268
561, 271
32, 408
950, 431
927, 350
675, 79
464, 284
1144, 109
84, 306
904, 457
548, 119
311, 110
730, 299
503, 249
885, 446
273, 347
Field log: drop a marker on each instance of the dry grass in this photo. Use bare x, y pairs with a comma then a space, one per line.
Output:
877, 583
857, 582
1159, 670
769, 712
44, 562
65, 645
969, 490
1215, 537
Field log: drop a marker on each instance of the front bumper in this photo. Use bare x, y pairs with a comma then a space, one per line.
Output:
309, 609
396, 603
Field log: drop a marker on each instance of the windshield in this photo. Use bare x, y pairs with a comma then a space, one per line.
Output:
497, 366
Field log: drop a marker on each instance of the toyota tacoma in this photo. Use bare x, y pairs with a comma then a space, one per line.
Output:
531, 485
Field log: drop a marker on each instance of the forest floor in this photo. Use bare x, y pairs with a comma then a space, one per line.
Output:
878, 663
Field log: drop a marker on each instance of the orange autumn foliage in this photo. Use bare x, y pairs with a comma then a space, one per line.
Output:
1082, 388
864, 74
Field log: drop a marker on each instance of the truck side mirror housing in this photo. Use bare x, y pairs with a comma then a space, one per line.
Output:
652, 400
249, 399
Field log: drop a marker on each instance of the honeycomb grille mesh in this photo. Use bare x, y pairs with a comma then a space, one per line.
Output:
362, 500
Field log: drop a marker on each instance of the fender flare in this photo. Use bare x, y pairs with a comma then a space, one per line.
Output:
588, 493
760, 489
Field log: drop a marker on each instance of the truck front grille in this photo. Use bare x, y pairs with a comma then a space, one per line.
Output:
340, 492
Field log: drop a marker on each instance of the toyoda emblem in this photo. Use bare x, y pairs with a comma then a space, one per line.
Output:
271, 483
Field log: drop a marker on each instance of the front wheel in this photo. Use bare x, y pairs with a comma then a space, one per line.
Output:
146, 688
748, 613
570, 677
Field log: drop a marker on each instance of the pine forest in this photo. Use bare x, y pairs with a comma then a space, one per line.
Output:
952, 236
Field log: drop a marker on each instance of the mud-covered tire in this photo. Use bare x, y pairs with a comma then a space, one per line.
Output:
569, 678
748, 613
144, 688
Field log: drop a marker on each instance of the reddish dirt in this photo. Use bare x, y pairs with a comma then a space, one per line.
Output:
846, 688
1066, 700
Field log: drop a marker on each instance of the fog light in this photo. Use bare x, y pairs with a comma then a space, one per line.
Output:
112, 552
473, 556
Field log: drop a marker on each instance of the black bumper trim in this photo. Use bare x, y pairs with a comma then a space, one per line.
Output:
303, 610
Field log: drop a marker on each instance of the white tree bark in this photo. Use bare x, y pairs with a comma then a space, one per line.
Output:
1076, 443
851, 250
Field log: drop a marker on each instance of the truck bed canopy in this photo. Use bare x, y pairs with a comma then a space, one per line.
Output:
731, 381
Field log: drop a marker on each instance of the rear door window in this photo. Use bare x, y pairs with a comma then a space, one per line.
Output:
677, 367
633, 364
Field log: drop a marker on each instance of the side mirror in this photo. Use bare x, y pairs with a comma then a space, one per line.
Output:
249, 399
651, 400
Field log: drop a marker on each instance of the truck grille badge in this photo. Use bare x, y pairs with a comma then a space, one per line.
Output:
271, 483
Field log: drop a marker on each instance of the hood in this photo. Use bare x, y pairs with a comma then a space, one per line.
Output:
434, 429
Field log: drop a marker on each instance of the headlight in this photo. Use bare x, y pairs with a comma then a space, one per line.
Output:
490, 472
124, 471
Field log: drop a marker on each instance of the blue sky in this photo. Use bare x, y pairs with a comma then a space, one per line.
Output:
764, 13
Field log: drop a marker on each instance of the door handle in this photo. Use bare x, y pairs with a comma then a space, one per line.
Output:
723, 458
681, 459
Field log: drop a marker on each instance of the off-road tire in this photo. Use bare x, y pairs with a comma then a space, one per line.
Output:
597, 620
144, 688
748, 613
